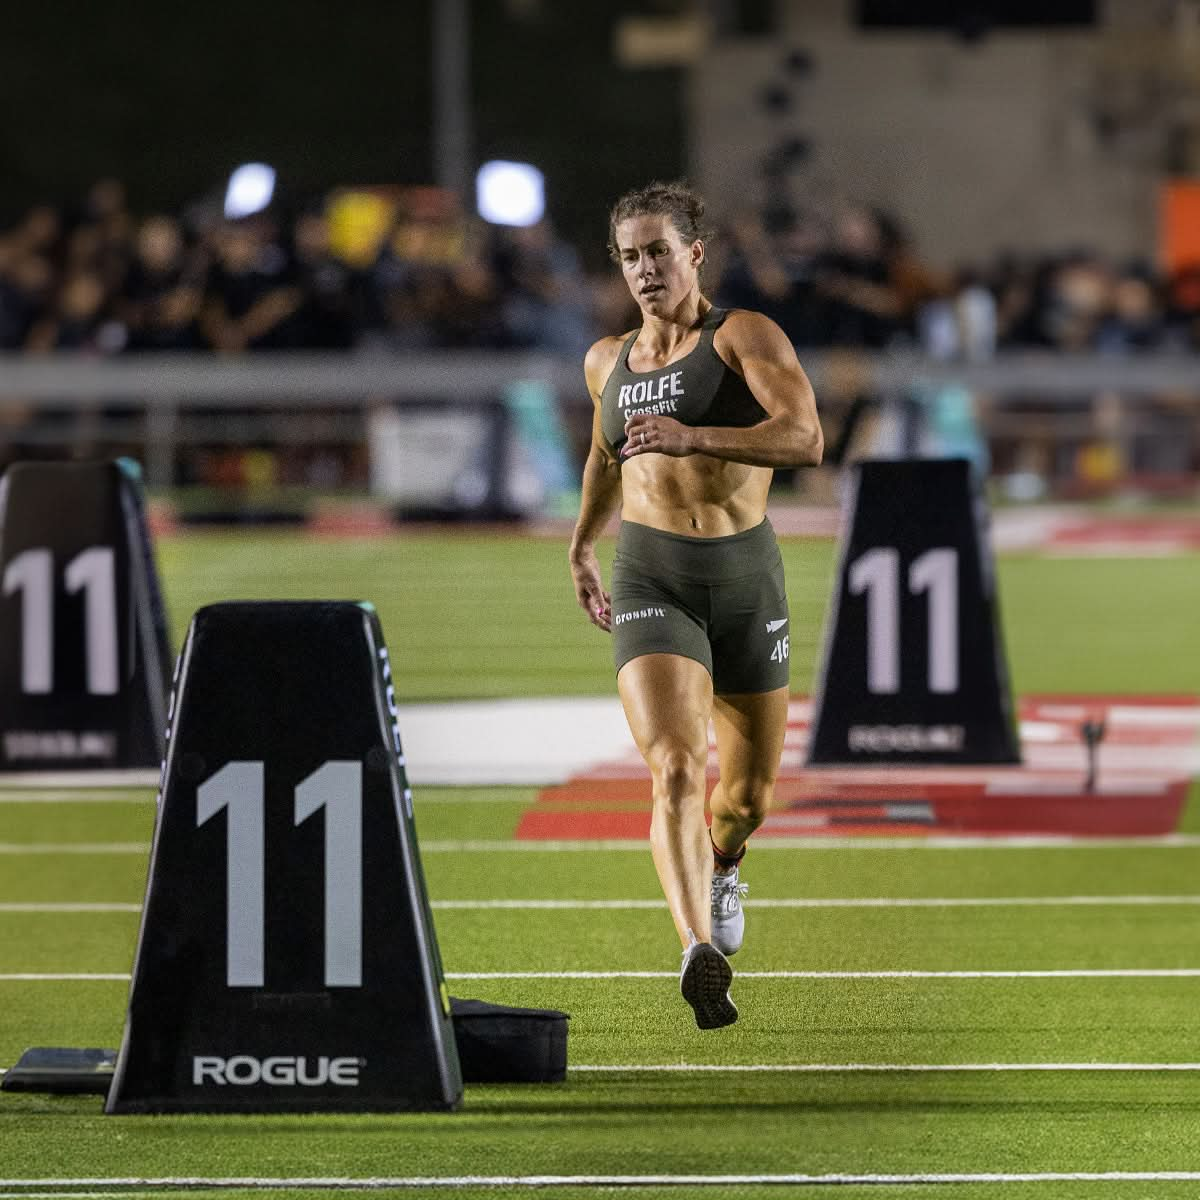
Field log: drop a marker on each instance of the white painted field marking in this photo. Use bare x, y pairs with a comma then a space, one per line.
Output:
65, 977
836, 902
1154, 716
1082, 973
118, 780
481, 976
1172, 841
851, 1068
427, 796
146, 797
68, 907
36, 796
28, 848
528, 741
19, 1187
805, 902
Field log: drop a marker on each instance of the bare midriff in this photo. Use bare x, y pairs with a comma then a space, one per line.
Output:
698, 496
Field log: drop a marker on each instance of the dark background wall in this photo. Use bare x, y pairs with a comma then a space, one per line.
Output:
169, 97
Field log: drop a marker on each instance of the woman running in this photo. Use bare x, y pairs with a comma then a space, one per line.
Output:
693, 410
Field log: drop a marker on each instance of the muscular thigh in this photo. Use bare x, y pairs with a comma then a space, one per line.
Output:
750, 733
668, 700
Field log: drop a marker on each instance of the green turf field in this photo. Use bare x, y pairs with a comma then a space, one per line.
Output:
469, 615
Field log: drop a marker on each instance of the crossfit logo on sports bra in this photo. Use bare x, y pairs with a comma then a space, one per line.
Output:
637, 615
658, 392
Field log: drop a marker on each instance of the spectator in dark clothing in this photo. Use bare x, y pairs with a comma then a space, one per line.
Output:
472, 316
26, 282
435, 284
79, 319
541, 285
163, 290
1014, 285
860, 305
1134, 320
39, 234
326, 317
772, 272
1183, 309
410, 281
251, 296
106, 227
1075, 299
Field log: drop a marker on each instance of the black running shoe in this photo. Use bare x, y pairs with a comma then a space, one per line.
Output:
704, 983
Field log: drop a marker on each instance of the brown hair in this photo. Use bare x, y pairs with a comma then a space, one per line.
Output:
675, 200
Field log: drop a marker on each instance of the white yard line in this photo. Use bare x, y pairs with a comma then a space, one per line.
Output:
37, 796
1171, 841
65, 977
853, 1068
740, 976
432, 797
24, 1187
76, 1195
29, 848
866, 1068
68, 907
801, 902
120, 779
836, 902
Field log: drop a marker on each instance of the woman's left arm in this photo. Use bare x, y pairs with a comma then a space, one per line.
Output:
790, 436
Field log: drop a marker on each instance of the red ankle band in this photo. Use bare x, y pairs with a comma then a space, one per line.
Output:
723, 860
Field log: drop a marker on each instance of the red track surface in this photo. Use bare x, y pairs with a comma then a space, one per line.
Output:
1159, 534
1147, 760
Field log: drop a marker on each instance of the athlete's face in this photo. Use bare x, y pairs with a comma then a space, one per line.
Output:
660, 268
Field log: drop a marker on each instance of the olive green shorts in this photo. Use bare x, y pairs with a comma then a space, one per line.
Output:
718, 600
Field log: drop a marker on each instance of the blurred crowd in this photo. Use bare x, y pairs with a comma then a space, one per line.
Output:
402, 271
408, 270
858, 281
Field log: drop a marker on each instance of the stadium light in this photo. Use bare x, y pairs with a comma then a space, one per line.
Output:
249, 190
510, 193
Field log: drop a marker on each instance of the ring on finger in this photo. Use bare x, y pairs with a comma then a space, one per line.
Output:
643, 437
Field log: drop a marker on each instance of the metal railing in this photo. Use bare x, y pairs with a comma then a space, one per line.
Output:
167, 403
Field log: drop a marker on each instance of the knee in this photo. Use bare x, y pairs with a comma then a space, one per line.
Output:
678, 781
747, 800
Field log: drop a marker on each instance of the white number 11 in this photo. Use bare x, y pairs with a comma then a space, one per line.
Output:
877, 573
91, 572
238, 787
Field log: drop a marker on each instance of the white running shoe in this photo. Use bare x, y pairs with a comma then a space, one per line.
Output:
704, 983
728, 919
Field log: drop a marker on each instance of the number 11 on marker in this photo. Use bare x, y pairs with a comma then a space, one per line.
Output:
877, 574
238, 788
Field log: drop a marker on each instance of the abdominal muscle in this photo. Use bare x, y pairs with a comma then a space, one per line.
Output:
698, 496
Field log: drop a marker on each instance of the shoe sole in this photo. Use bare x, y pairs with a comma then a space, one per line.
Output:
705, 986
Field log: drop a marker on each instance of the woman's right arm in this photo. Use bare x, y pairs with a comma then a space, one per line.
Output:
599, 499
